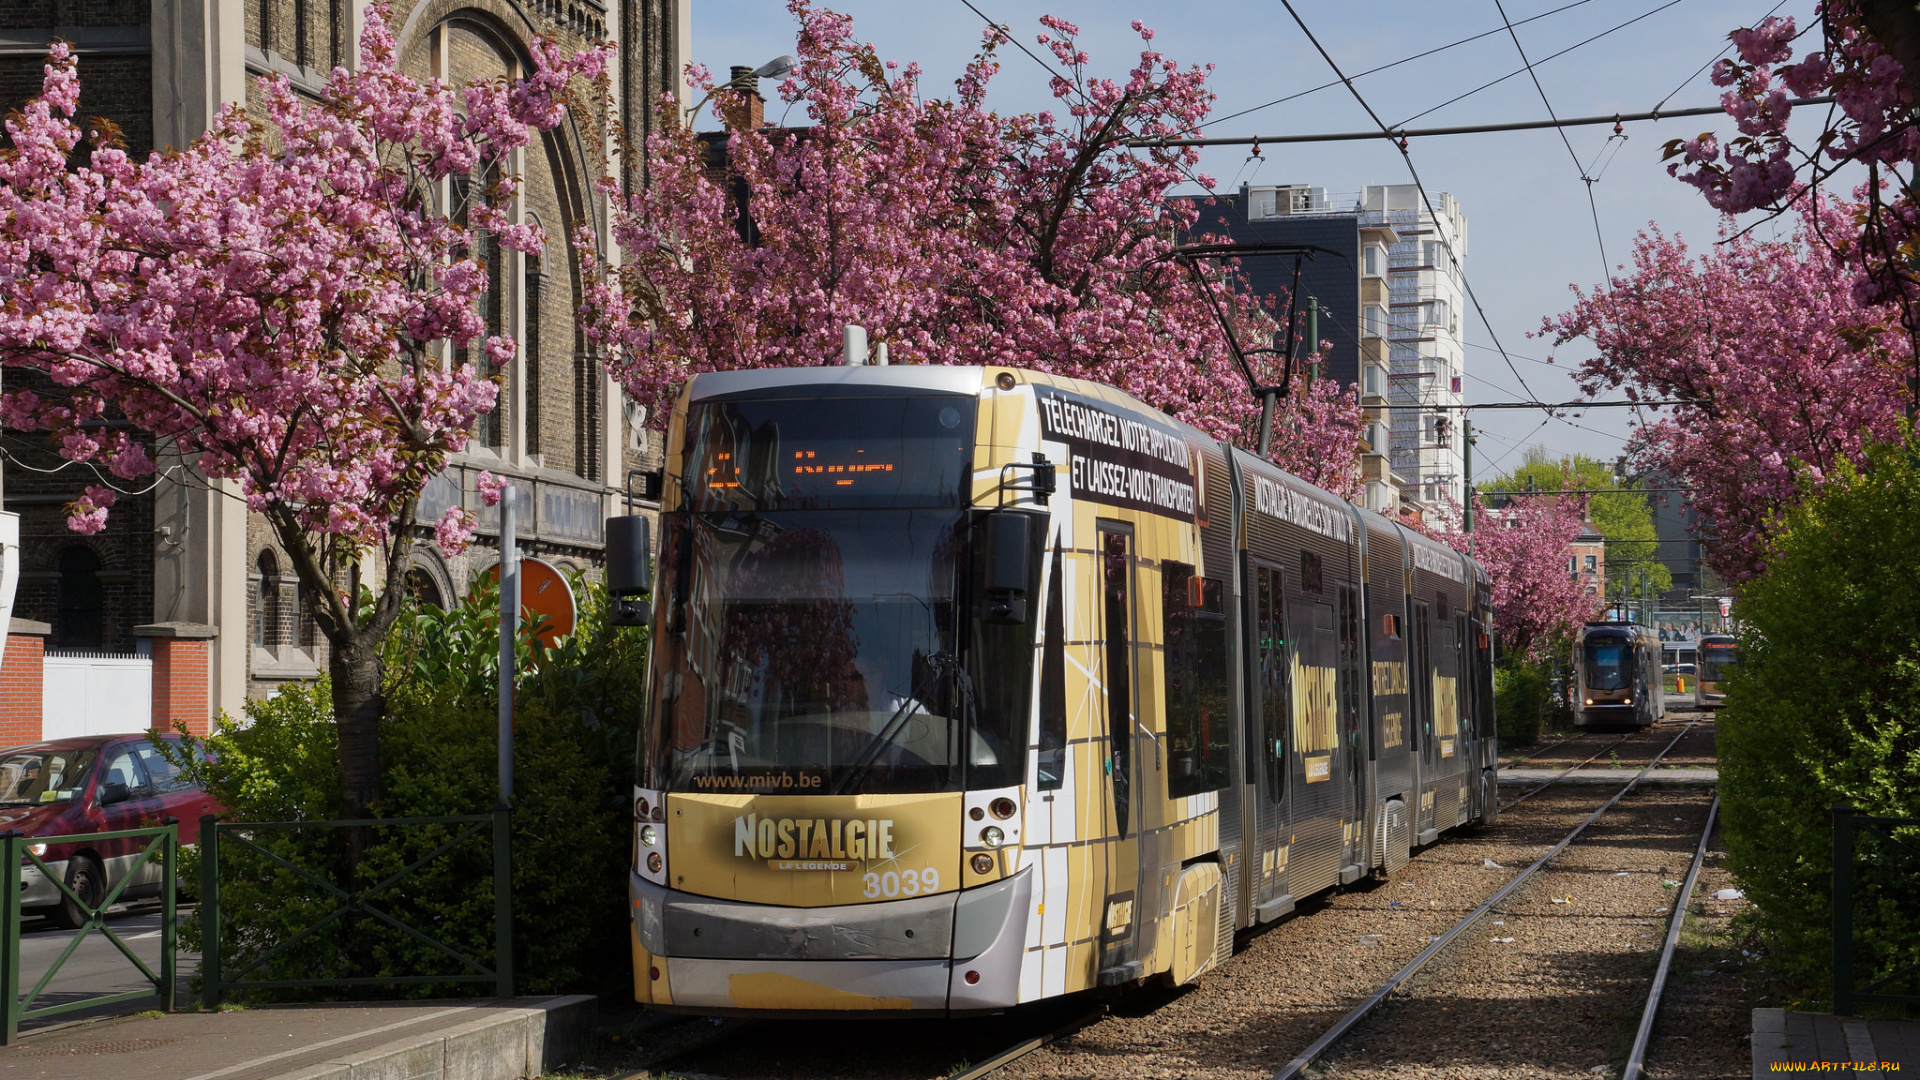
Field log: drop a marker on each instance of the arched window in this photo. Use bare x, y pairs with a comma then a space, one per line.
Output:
79, 618
423, 589
268, 608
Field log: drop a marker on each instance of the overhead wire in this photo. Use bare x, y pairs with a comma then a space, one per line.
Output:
1426, 200
1544, 59
1716, 58
1606, 268
1384, 67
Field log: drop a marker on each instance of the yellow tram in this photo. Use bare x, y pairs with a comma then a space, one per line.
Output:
972, 687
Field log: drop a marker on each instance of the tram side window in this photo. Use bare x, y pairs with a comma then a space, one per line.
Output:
1276, 691
1053, 684
1195, 631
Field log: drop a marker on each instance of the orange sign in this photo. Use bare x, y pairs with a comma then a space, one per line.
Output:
543, 592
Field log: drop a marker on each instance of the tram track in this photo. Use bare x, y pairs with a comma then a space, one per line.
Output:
1010, 1046
1352, 1019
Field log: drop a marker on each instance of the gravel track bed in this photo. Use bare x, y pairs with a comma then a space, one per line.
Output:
1706, 1020
1552, 982
1287, 984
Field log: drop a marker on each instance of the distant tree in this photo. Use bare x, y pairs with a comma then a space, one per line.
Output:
954, 234
1624, 519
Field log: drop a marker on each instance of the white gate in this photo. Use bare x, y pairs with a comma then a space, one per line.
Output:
95, 693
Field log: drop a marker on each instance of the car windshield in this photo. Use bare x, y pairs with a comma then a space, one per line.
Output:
35, 775
1607, 665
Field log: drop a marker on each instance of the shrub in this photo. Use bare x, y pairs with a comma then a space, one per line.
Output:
577, 705
1520, 694
1824, 710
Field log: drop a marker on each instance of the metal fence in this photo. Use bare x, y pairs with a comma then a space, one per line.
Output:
1847, 828
16, 853
221, 972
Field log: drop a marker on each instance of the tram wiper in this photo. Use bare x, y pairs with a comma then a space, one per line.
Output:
927, 671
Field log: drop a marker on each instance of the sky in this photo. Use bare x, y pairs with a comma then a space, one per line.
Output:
1531, 231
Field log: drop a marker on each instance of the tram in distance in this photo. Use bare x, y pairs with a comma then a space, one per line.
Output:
976, 686
1617, 676
1718, 653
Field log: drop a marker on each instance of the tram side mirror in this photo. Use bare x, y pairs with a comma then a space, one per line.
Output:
629, 570
1009, 567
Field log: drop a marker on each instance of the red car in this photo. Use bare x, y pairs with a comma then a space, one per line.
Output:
93, 784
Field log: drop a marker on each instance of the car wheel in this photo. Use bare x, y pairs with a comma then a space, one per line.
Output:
89, 883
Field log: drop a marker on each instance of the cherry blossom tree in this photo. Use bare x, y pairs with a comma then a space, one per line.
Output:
1537, 603
1791, 372
1867, 57
954, 234
290, 302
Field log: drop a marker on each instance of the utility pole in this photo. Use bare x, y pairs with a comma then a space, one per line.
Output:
1313, 336
1466, 466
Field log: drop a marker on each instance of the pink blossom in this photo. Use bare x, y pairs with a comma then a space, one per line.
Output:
454, 531
490, 487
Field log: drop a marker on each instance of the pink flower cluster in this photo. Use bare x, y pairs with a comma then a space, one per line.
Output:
1791, 372
273, 298
954, 234
1524, 548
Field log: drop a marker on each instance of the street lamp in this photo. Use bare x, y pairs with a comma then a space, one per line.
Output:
749, 80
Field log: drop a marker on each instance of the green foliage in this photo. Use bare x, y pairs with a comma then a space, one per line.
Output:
1824, 710
576, 707
1520, 701
1625, 519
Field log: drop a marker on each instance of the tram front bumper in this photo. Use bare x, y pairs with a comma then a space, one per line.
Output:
954, 952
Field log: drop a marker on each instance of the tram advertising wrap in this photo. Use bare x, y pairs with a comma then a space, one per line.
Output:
962, 695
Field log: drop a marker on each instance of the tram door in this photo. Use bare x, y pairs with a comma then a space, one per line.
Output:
1420, 697
1272, 708
1350, 720
1126, 793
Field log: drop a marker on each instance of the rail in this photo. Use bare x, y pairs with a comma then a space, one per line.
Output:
1847, 825
16, 852
348, 904
1359, 1012
1637, 1057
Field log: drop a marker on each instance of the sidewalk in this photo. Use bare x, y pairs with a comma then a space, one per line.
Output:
465, 1040
1786, 1042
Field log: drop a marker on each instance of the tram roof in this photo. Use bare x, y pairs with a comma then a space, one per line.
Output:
839, 378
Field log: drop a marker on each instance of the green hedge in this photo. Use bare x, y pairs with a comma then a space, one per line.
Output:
1826, 710
577, 706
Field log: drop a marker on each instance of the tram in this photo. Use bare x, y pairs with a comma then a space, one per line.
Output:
1718, 653
976, 686
1617, 676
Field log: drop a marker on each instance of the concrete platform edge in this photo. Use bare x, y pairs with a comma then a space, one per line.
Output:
507, 1044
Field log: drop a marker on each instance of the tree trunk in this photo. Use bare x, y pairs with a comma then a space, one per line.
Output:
354, 666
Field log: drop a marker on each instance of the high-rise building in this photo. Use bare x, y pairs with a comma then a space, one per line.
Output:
1348, 284
1426, 351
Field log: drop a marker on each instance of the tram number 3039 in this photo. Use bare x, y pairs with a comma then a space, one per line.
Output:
910, 883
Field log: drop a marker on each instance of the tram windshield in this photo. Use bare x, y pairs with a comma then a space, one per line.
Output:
1609, 664
832, 651
1718, 659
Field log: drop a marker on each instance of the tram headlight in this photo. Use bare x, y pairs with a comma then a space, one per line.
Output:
649, 835
1589, 701
1629, 701
1002, 808
992, 837
983, 863
654, 862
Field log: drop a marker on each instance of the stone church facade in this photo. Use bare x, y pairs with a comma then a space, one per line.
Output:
185, 558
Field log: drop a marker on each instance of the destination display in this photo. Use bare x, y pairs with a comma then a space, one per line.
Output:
1119, 459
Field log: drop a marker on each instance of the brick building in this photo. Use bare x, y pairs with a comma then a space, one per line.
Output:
183, 569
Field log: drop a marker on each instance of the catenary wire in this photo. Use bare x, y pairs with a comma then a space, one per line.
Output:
1393, 64
1716, 58
1452, 256
1606, 268
1544, 59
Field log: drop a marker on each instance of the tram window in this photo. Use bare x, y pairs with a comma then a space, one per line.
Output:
1607, 664
1310, 579
1053, 684
1276, 691
1001, 663
1196, 682
1116, 572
